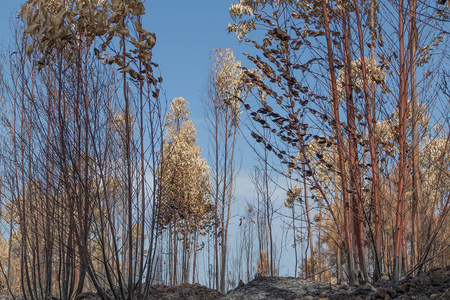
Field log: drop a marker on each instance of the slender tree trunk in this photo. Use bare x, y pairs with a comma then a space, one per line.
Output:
175, 252
216, 198
415, 226
185, 258
319, 250
372, 142
295, 241
142, 158
404, 249
268, 212
402, 103
170, 258
129, 179
48, 190
153, 246
308, 219
358, 220
339, 271
375, 163
340, 146
227, 219
194, 264
223, 217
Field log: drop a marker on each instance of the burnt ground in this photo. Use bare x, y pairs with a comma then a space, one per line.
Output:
433, 284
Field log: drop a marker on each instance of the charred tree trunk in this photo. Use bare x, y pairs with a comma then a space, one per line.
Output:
402, 103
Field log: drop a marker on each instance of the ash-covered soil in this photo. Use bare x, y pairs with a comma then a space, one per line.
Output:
434, 284
183, 291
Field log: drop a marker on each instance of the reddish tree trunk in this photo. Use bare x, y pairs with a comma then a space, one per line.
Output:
415, 138
340, 146
372, 142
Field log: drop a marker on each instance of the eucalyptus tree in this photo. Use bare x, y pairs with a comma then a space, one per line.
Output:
224, 91
322, 88
184, 204
69, 97
286, 81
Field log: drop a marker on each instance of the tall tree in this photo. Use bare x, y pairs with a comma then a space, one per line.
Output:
225, 90
184, 205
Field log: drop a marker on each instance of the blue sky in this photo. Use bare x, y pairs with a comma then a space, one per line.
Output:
186, 31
